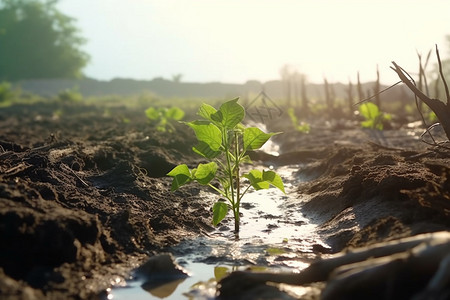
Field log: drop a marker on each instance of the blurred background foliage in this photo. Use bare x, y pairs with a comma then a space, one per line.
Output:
38, 41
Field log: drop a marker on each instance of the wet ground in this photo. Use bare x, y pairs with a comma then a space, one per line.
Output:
84, 199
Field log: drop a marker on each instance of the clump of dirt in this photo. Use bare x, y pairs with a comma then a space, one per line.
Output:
369, 193
80, 205
84, 197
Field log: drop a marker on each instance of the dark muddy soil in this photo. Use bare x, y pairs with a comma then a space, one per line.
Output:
84, 198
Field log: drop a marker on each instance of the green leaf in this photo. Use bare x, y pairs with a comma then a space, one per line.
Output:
152, 113
274, 179
174, 113
220, 272
205, 173
262, 180
292, 115
255, 138
368, 124
208, 133
205, 150
369, 110
220, 210
161, 128
181, 175
303, 127
229, 114
206, 111
256, 180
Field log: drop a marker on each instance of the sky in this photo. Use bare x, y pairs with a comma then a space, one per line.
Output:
234, 41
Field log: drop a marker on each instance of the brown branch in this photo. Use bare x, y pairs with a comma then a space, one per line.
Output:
373, 96
442, 76
441, 110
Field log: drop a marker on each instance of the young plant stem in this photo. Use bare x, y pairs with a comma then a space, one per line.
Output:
238, 182
224, 141
231, 180
217, 190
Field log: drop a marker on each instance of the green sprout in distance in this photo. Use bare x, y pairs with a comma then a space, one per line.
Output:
298, 125
224, 141
164, 116
373, 116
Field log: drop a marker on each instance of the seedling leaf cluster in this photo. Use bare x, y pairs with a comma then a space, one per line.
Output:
374, 118
225, 141
164, 116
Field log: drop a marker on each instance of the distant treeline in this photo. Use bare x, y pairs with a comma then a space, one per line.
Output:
214, 90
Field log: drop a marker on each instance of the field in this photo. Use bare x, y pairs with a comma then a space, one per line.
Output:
84, 196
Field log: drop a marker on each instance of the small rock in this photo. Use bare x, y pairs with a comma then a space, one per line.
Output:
160, 269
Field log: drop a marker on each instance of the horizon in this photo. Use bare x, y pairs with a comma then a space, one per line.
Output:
235, 42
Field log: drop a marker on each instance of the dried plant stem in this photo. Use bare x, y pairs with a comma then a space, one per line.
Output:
442, 76
441, 110
373, 96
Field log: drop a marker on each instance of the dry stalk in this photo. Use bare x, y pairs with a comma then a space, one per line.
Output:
441, 109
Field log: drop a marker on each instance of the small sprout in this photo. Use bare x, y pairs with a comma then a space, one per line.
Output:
163, 117
374, 118
70, 96
298, 125
224, 141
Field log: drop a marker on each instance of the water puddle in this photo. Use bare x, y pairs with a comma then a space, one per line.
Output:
275, 236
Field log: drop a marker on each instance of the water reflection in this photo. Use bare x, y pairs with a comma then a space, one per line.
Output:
164, 290
201, 285
275, 235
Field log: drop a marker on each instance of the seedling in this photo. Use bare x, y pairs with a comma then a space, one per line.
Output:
70, 96
224, 141
5, 91
374, 117
164, 116
298, 125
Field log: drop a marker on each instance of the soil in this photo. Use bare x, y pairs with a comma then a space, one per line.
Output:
84, 198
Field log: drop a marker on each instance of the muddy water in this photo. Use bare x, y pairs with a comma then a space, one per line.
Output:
275, 236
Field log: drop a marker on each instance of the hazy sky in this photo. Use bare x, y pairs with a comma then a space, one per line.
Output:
239, 40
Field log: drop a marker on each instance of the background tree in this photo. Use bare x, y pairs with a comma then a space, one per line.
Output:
38, 41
